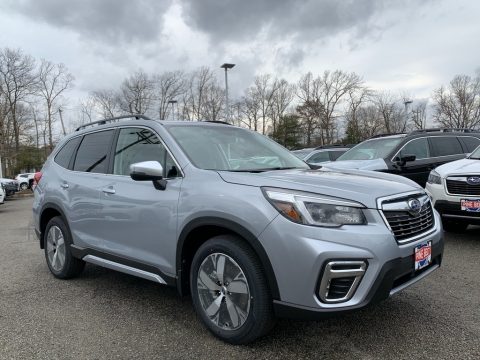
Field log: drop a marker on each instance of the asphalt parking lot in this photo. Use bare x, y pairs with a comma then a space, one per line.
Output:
104, 314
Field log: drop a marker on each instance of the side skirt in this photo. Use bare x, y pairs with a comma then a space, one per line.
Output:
123, 265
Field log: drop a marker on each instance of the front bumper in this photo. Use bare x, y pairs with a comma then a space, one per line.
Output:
299, 253
449, 205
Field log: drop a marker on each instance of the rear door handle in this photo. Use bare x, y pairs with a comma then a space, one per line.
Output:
64, 185
109, 190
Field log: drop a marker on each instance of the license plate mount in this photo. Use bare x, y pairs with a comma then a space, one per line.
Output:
423, 255
470, 205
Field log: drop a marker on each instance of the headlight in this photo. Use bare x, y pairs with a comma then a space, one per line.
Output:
434, 178
318, 210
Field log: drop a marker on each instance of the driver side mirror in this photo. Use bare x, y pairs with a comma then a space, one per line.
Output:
402, 160
149, 171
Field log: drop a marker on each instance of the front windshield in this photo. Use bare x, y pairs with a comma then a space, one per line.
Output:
213, 147
371, 149
475, 155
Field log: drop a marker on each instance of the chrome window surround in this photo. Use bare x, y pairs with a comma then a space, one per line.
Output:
403, 206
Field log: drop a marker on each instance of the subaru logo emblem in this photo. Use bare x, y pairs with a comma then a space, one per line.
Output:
473, 180
414, 206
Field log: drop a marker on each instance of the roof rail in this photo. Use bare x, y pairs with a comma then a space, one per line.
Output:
386, 134
113, 119
332, 146
444, 130
216, 122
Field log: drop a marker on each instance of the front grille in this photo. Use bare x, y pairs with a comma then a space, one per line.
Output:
406, 225
461, 187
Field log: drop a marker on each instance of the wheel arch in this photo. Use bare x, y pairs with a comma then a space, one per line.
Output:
49, 211
198, 231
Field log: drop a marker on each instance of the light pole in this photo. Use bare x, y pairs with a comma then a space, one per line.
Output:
406, 103
227, 66
173, 102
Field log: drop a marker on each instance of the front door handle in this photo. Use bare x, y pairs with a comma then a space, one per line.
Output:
109, 190
64, 185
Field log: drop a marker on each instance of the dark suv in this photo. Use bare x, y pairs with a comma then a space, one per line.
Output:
412, 155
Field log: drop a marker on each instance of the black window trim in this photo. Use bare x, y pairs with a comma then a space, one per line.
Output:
114, 145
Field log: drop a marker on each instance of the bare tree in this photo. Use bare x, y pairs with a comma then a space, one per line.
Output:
213, 103
357, 98
137, 93
419, 114
391, 112
108, 102
264, 89
54, 80
281, 100
169, 86
251, 109
458, 105
18, 82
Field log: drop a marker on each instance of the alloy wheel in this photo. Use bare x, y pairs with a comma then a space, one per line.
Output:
56, 248
223, 291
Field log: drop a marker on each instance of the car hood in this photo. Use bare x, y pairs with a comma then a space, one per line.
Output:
459, 167
361, 186
375, 164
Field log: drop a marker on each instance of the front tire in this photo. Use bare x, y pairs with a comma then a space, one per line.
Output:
229, 290
23, 186
60, 261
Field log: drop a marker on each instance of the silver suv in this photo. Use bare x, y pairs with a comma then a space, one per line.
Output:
232, 218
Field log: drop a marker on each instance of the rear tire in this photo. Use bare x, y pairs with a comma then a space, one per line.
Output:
454, 226
23, 186
229, 290
56, 241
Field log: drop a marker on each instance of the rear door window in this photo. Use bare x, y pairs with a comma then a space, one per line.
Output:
92, 155
64, 156
470, 143
334, 155
445, 146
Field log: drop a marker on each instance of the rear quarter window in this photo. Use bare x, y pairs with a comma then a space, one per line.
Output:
65, 154
470, 143
445, 145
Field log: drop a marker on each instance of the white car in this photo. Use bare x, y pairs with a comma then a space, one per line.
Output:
2, 195
455, 192
25, 180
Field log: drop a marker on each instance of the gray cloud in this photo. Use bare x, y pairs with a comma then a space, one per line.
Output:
233, 20
113, 21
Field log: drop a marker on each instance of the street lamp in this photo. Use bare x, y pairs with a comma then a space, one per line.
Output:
406, 103
173, 102
227, 107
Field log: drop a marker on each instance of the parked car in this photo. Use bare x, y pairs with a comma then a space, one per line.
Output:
455, 192
10, 186
2, 194
302, 153
193, 205
25, 180
324, 154
411, 155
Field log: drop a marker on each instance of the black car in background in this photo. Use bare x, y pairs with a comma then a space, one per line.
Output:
412, 155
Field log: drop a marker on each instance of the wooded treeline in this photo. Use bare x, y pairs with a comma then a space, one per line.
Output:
335, 106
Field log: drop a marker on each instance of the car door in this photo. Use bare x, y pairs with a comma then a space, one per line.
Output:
140, 222
419, 169
82, 187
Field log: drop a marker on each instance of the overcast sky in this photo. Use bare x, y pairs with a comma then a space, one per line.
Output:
402, 46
